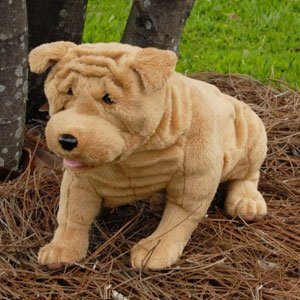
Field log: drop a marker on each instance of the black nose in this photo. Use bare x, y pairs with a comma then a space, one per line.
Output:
67, 141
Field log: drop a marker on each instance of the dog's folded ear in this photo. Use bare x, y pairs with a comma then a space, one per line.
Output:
154, 67
46, 55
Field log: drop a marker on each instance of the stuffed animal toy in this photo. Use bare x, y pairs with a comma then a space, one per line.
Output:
127, 126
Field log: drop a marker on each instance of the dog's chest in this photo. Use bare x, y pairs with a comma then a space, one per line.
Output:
142, 175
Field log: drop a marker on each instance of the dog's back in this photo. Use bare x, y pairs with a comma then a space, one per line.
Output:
242, 134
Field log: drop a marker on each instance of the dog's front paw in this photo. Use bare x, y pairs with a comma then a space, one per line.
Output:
154, 254
56, 254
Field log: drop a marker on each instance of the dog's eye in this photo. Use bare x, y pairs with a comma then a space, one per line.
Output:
70, 92
107, 99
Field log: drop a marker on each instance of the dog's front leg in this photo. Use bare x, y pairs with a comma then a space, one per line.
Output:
190, 193
78, 206
188, 201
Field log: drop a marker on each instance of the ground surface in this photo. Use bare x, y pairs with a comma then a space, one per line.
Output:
255, 37
225, 258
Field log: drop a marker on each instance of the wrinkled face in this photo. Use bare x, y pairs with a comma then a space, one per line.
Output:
105, 100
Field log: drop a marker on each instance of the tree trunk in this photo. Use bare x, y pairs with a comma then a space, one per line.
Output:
13, 81
50, 21
157, 23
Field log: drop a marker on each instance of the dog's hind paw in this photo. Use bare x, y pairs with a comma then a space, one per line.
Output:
248, 208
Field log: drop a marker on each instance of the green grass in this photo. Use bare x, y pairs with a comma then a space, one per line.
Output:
260, 38
105, 20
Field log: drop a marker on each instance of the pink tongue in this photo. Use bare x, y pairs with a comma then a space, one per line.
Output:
73, 163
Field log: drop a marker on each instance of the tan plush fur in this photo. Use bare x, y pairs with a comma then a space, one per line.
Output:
163, 131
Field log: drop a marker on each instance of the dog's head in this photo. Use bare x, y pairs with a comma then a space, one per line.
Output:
105, 99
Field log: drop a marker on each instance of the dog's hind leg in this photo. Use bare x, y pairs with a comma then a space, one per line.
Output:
243, 198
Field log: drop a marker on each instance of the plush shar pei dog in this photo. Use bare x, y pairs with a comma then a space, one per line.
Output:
127, 126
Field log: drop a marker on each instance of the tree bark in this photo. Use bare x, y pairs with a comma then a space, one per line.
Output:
13, 81
50, 21
157, 23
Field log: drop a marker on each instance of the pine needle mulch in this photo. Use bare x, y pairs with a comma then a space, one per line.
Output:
225, 258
